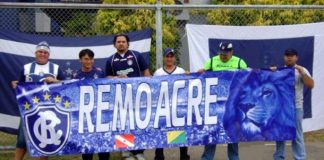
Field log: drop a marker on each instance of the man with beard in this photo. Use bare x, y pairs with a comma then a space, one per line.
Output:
127, 63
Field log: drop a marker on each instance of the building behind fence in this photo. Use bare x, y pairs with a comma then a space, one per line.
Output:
167, 21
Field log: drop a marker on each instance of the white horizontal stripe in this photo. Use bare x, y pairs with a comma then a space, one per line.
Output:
69, 53
125, 141
9, 121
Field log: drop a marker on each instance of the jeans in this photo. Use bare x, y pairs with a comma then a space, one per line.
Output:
21, 141
232, 152
298, 146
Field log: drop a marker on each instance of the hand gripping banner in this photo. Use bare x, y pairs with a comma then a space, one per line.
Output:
104, 115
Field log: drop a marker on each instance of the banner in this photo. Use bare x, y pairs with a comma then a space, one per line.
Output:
17, 49
103, 115
263, 46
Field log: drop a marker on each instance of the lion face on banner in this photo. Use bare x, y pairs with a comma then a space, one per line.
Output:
260, 106
257, 106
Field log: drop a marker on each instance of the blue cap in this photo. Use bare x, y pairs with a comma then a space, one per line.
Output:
43, 46
168, 51
225, 47
291, 51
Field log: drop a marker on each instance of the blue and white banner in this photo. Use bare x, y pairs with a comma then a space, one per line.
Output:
17, 49
101, 115
263, 46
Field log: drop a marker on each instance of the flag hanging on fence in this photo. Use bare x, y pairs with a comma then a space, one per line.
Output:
262, 47
17, 49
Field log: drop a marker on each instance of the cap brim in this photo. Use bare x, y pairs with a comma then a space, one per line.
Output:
169, 53
224, 52
290, 54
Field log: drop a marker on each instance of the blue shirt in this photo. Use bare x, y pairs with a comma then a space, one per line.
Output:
131, 64
95, 73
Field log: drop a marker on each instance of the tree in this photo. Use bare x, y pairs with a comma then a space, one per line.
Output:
80, 24
265, 17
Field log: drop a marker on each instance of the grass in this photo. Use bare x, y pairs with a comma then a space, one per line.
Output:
315, 136
10, 140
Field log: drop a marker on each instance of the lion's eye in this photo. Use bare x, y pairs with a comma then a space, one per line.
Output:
243, 94
266, 92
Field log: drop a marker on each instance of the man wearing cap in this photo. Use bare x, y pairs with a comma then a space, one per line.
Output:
302, 79
127, 63
41, 70
169, 59
225, 60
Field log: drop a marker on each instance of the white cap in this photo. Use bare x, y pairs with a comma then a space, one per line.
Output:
43, 46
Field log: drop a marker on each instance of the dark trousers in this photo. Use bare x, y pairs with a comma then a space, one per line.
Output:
135, 152
159, 155
102, 156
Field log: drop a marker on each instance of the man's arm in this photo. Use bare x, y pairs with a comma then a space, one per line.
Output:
201, 70
108, 69
147, 73
307, 79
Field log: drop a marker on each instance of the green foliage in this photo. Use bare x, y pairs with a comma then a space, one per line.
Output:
80, 24
265, 17
123, 21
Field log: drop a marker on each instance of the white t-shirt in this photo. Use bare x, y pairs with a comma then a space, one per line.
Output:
162, 72
299, 88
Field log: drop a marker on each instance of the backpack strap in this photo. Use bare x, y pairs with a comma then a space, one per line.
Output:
239, 64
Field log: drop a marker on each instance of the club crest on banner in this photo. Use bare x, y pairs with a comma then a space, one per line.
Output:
50, 128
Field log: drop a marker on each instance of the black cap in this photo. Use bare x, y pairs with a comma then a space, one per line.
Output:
290, 51
225, 47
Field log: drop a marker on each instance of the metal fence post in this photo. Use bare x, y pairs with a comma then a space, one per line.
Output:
158, 34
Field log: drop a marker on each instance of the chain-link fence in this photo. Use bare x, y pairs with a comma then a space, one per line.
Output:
167, 21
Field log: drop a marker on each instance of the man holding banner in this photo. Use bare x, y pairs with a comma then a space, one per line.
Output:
302, 79
223, 61
127, 63
87, 70
39, 71
169, 68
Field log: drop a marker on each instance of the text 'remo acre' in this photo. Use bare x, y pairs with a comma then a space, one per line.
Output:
166, 103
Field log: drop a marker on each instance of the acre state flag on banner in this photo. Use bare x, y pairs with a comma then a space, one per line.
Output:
176, 137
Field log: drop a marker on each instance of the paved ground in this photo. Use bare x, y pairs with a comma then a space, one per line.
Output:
248, 151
